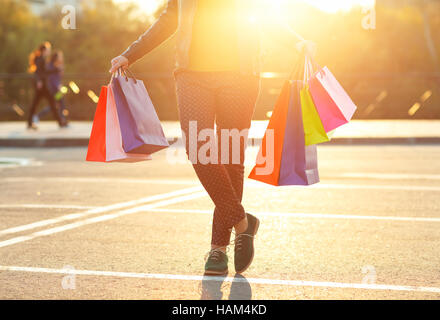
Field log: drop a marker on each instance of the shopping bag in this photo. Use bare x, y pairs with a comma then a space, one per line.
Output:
283, 158
96, 148
113, 137
105, 144
140, 126
313, 129
333, 104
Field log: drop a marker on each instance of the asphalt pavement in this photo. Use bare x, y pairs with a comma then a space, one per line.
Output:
72, 229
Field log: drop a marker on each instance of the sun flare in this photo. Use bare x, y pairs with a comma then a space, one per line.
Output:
331, 6
147, 6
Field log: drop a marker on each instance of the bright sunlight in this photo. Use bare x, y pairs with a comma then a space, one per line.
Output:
332, 6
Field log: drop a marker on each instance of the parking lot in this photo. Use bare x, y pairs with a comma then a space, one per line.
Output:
72, 229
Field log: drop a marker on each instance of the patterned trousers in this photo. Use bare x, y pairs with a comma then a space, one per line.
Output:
226, 99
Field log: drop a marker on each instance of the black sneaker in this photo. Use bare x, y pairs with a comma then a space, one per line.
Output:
244, 245
217, 263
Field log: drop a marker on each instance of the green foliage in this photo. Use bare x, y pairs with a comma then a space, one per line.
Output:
17, 25
394, 57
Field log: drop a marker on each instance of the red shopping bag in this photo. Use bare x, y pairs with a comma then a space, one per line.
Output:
96, 149
105, 144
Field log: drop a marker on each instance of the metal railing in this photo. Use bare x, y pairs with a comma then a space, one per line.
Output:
378, 95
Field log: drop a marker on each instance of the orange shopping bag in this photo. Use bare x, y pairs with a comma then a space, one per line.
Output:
274, 132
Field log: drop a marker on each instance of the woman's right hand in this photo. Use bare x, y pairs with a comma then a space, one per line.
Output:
119, 62
308, 47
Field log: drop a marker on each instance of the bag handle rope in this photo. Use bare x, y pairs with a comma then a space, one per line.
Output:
123, 72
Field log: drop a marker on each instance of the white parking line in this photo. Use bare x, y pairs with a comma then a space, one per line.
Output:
352, 186
46, 206
309, 215
293, 283
390, 176
101, 218
116, 206
103, 180
18, 162
248, 183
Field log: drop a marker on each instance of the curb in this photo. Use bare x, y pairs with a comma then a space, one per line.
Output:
83, 142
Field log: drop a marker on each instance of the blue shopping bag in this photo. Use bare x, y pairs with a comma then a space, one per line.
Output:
299, 163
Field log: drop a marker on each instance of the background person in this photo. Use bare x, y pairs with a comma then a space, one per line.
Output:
54, 71
37, 65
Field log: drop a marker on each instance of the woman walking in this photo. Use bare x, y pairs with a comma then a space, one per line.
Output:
217, 81
37, 65
54, 71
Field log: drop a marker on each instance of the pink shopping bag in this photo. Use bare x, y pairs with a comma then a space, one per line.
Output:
333, 104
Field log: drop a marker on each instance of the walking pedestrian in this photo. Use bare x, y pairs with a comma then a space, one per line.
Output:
217, 81
54, 71
37, 65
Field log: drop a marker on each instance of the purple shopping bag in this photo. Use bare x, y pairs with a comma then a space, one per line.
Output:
299, 163
105, 144
140, 127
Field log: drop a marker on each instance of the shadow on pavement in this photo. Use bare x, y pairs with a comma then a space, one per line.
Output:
212, 287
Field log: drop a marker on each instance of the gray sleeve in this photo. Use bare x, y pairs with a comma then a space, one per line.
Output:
160, 31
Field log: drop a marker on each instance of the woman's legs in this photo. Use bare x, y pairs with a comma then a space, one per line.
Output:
52, 105
235, 104
43, 112
62, 107
35, 101
199, 96
44, 93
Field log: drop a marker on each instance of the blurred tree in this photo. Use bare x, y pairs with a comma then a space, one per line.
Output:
17, 35
398, 57
103, 30
427, 10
